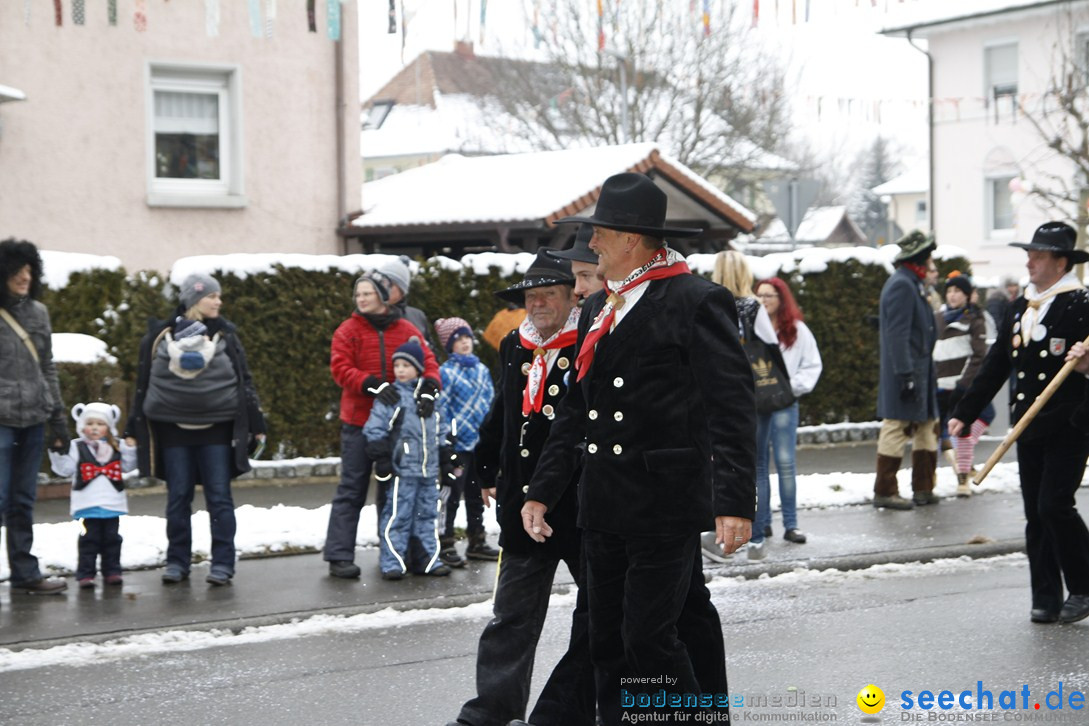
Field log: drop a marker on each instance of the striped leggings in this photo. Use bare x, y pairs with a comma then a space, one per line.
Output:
965, 446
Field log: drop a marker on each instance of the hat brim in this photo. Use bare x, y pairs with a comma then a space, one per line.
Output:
1078, 256
905, 255
573, 254
517, 293
651, 231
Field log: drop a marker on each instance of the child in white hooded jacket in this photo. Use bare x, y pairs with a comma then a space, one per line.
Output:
96, 461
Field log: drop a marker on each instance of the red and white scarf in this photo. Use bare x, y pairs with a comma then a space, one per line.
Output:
531, 339
665, 263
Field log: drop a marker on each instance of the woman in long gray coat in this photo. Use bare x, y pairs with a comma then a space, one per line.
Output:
907, 398
29, 399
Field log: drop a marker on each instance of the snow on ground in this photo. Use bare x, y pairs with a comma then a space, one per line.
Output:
287, 529
174, 641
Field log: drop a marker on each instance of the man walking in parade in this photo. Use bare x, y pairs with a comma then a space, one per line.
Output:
670, 442
1033, 342
534, 363
907, 397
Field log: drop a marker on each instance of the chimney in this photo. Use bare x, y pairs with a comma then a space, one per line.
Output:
464, 48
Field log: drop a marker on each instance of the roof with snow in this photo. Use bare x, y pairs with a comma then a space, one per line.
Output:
913, 181
525, 194
825, 226
920, 22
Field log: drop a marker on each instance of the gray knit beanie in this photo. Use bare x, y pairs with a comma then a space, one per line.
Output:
397, 272
195, 287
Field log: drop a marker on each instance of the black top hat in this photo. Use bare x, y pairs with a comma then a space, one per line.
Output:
545, 271
1057, 237
631, 202
580, 251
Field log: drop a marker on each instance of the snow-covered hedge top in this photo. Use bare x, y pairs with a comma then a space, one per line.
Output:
57, 267
815, 259
244, 265
79, 348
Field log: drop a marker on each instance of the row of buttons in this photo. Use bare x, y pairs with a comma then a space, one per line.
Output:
617, 449
593, 414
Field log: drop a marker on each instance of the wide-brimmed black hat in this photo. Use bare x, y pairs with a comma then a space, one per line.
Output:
631, 202
545, 271
914, 243
1057, 237
580, 251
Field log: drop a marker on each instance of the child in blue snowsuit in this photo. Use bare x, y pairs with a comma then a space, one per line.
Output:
404, 440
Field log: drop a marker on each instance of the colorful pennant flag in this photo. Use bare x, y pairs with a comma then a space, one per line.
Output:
332, 20
311, 19
79, 12
270, 17
392, 17
755, 13
139, 16
111, 12
600, 27
706, 17
211, 18
58, 12
483, 12
256, 25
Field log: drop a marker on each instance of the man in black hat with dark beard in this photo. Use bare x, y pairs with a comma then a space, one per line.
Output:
535, 362
1033, 341
664, 401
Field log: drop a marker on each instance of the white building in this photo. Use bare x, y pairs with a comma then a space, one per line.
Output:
990, 68
906, 198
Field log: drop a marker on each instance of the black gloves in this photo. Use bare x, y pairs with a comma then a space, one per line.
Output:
426, 392
907, 389
58, 437
383, 391
383, 469
448, 464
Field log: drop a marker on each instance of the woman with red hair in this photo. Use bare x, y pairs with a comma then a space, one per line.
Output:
779, 429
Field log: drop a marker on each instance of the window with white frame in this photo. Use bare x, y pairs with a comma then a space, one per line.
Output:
194, 144
1000, 70
920, 210
999, 205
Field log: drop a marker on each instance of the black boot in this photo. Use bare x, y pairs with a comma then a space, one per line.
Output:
479, 549
449, 554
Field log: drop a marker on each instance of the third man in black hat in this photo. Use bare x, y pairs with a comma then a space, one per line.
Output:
1033, 342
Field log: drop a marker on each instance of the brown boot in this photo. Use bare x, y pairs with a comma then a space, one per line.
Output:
885, 492
924, 469
964, 488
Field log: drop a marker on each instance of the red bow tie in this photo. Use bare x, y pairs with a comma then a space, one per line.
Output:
111, 471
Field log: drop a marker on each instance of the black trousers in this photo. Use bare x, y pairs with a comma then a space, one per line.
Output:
100, 537
351, 495
650, 616
508, 646
466, 485
1056, 538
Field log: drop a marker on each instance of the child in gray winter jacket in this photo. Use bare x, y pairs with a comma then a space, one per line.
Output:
409, 450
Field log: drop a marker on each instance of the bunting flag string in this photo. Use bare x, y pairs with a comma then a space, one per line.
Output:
139, 16
256, 24
211, 18
111, 12
332, 20
311, 19
79, 12
58, 13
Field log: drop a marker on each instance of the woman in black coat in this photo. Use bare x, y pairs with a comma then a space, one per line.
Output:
195, 418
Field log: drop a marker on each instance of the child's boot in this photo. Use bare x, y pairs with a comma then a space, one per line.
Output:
964, 488
449, 554
479, 549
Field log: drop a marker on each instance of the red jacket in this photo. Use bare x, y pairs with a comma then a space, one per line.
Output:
360, 350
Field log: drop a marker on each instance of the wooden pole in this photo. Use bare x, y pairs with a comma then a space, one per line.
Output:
1038, 404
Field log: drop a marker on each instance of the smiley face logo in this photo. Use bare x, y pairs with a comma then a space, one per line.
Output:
871, 699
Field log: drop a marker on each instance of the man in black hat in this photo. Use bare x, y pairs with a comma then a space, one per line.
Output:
583, 263
1033, 341
664, 401
535, 361
907, 394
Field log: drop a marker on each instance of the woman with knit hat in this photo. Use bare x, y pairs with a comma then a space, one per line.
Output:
467, 394
196, 418
958, 355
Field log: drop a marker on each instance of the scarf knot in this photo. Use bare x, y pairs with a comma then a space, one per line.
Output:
530, 338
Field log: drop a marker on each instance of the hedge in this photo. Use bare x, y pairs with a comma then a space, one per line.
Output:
286, 320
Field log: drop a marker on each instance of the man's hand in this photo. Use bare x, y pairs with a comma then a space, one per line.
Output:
488, 495
955, 426
534, 522
730, 532
1078, 350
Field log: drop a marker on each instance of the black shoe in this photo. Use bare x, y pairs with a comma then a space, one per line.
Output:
893, 501
42, 586
344, 568
1075, 609
481, 550
395, 575
767, 531
1043, 615
439, 570
173, 574
796, 536
922, 499
451, 558
218, 578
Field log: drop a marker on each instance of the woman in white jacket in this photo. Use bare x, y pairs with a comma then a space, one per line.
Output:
779, 429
